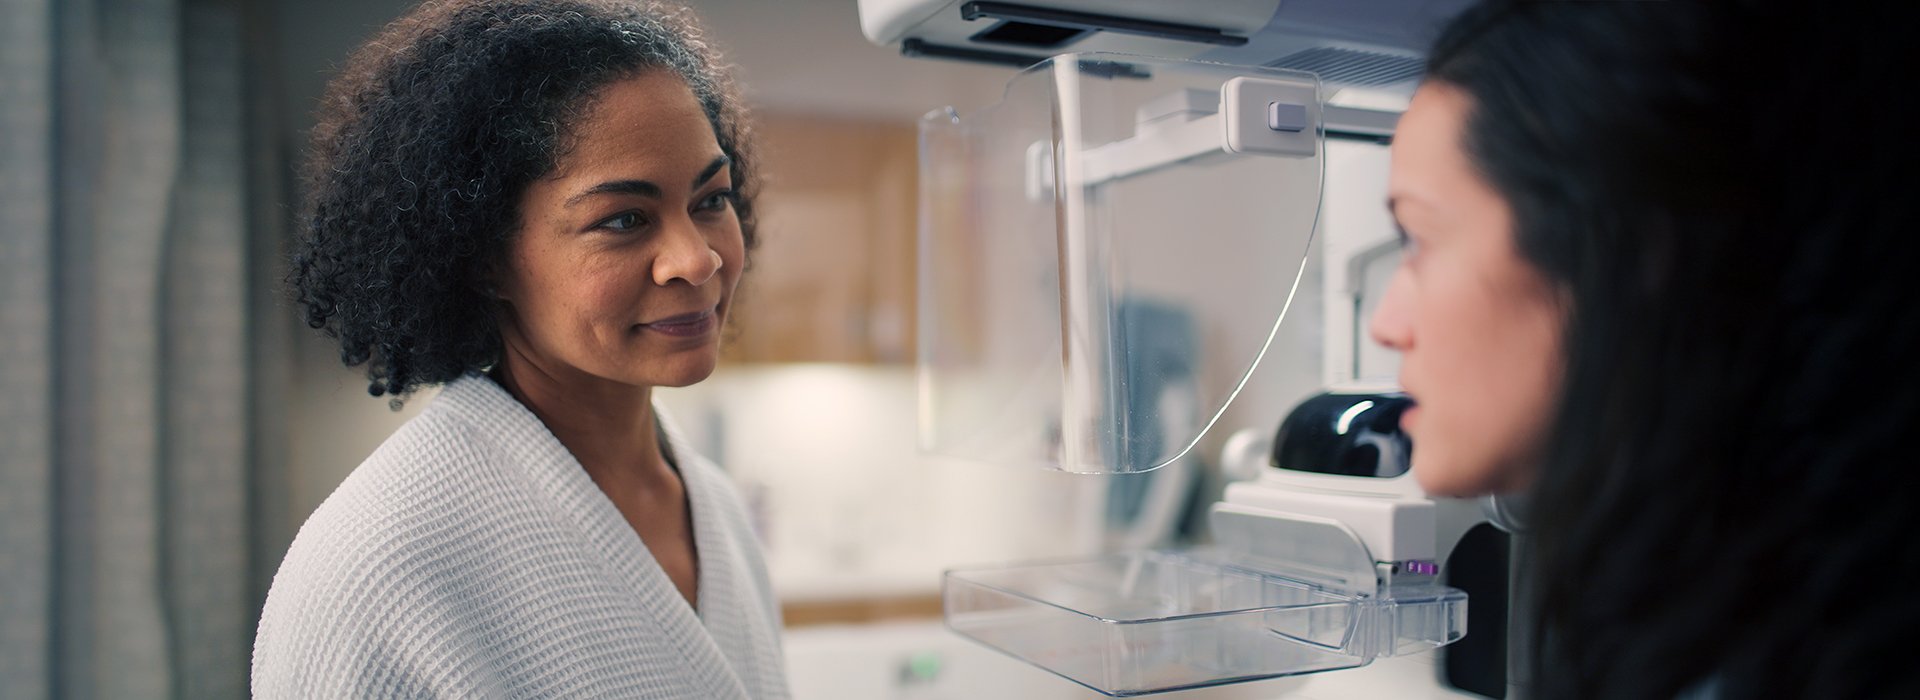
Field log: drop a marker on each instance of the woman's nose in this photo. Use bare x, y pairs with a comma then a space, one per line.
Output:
685, 255
1392, 322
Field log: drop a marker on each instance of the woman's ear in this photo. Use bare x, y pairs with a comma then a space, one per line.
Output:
487, 283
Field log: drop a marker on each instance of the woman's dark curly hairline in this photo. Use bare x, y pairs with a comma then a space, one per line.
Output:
427, 139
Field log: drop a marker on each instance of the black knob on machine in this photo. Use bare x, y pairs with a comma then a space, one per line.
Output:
1347, 434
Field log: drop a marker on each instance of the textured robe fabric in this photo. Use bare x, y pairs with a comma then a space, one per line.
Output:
472, 557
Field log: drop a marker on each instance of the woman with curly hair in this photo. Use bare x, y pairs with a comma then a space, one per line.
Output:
543, 206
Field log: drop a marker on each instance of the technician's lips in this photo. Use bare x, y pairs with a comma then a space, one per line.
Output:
685, 325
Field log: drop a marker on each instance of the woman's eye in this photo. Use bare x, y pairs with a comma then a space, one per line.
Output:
717, 201
624, 222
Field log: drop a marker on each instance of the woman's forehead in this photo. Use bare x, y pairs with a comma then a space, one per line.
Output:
646, 127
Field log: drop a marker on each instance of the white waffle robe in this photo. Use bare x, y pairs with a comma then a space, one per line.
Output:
471, 557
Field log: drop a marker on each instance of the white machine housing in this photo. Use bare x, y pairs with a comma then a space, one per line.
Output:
1356, 539
1368, 52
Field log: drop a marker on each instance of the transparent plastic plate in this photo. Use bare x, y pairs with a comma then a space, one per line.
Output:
1105, 256
1148, 622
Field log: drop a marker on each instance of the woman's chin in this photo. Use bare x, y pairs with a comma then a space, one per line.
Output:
685, 371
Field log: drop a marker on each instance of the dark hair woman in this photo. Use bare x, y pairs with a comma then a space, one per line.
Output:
544, 206
1656, 278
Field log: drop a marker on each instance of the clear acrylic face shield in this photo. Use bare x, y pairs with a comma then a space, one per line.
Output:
1083, 243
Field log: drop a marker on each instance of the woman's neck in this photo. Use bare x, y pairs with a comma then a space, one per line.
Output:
607, 425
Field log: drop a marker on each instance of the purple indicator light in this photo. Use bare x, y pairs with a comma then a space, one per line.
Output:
1421, 567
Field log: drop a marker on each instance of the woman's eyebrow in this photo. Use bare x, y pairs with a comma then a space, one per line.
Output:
712, 169
639, 187
646, 188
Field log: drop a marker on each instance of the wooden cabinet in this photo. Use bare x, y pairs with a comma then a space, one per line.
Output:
833, 277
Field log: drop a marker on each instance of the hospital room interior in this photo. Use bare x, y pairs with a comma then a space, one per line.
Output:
1049, 376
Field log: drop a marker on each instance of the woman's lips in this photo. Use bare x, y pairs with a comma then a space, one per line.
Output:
1407, 417
685, 325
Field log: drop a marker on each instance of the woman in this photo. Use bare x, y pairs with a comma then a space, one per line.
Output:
1657, 278
544, 205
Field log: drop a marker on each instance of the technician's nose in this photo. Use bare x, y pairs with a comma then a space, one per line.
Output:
1392, 322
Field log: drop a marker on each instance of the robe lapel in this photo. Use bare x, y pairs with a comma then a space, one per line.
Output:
555, 470
729, 603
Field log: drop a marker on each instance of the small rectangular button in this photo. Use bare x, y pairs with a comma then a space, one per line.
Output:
1286, 117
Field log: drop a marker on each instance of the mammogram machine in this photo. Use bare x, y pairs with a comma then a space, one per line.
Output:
1167, 196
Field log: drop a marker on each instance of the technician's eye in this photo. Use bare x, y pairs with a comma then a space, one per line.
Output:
1408, 245
624, 222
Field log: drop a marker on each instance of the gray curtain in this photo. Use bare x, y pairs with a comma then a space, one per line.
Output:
129, 385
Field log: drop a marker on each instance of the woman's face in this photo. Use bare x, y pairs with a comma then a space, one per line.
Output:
628, 253
1477, 326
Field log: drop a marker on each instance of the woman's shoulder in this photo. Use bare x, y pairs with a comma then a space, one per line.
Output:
435, 482
394, 547
449, 450
420, 463
394, 496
